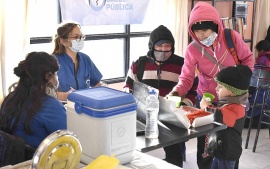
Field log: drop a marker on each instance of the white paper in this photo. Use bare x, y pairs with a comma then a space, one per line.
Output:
176, 116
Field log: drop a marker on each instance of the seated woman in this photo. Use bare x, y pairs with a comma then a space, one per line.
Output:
262, 62
32, 110
77, 70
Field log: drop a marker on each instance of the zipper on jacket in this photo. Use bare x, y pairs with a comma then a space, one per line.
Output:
158, 74
75, 76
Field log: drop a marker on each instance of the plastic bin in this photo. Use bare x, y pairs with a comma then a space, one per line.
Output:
104, 120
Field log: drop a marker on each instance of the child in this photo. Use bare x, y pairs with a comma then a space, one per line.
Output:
232, 91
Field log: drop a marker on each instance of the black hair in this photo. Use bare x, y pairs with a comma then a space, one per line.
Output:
21, 105
263, 45
205, 25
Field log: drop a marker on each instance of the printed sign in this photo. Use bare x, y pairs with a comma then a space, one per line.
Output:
104, 12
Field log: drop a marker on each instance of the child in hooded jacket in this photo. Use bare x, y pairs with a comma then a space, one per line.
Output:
206, 29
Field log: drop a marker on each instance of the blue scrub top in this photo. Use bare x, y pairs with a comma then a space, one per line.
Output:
50, 118
86, 71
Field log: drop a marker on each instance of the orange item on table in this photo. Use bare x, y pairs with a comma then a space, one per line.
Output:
193, 113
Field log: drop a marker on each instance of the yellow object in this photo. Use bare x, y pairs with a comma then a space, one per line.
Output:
175, 99
103, 162
60, 150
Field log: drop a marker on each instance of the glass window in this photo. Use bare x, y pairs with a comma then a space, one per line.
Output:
43, 18
138, 47
46, 47
155, 16
108, 56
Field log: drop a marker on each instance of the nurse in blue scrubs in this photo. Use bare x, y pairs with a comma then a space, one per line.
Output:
77, 71
32, 110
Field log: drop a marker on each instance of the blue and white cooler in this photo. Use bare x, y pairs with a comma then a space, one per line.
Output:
104, 120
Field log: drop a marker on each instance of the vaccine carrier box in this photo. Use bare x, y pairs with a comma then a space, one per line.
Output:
104, 120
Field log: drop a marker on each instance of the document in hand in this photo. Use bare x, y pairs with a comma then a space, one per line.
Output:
179, 116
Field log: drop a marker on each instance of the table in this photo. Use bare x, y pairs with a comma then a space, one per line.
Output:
173, 134
140, 161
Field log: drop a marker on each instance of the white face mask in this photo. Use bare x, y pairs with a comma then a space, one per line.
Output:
52, 86
76, 46
162, 55
51, 92
210, 40
56, 85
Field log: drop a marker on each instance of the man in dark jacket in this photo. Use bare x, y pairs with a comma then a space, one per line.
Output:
160, 69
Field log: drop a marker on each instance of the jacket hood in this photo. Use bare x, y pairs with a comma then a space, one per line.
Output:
203, 11
160, 33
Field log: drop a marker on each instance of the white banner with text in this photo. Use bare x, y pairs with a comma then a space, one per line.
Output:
104, 12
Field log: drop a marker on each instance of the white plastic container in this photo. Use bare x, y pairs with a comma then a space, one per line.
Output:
104, 120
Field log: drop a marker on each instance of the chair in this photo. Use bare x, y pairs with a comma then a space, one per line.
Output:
265, 111
13, 150
261, 80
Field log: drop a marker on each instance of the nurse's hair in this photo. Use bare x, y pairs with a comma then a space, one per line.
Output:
62, 32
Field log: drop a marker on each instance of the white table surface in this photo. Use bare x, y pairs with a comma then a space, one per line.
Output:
140, 161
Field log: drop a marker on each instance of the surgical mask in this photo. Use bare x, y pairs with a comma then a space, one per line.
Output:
56, 85
51, 92
210, 40
162, 56
52, 86
76, 46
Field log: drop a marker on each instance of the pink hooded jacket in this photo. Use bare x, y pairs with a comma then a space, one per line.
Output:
195, 58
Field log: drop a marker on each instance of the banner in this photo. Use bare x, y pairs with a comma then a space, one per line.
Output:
104, 12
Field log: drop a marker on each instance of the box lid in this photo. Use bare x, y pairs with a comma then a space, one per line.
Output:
102, 101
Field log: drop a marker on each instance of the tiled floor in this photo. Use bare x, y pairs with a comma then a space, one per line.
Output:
248, 160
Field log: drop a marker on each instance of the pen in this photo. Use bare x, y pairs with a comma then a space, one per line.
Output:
70, 87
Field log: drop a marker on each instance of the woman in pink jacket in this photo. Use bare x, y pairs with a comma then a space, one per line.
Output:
206, 29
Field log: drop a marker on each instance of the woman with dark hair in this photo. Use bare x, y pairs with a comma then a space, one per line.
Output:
77, 71
262, 62
32, 110
263, 48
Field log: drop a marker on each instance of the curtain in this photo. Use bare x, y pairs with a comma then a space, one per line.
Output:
181, 31
14, 40
262, 21
177, 21
1, 46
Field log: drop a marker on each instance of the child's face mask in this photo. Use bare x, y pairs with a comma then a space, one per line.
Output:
210, 40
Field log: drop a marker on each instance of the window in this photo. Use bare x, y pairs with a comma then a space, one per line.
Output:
111, 47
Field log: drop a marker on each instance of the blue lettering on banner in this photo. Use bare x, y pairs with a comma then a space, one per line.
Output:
119, 6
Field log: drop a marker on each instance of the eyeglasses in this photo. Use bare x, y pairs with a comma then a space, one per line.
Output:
78, 38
